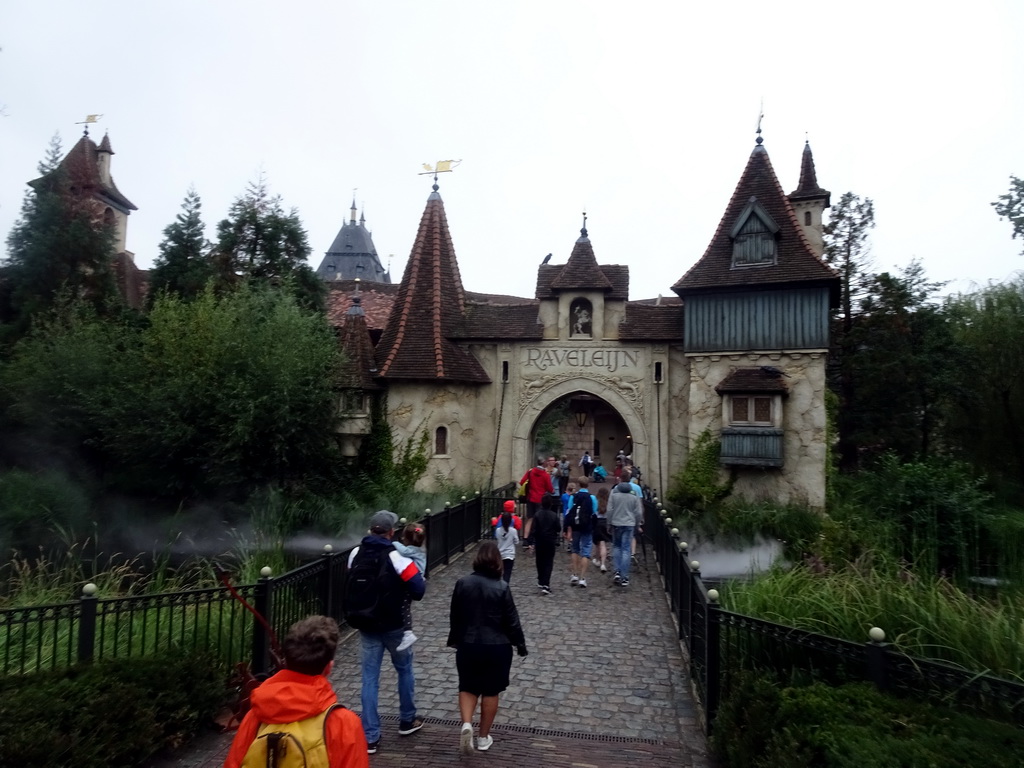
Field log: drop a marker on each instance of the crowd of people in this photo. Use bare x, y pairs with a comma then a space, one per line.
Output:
296, 711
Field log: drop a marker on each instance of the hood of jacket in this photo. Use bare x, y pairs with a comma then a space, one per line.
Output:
289, 696
624, 488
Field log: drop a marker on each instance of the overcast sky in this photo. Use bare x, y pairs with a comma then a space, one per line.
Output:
642, 113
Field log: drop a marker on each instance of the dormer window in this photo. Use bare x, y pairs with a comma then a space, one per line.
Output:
753, 237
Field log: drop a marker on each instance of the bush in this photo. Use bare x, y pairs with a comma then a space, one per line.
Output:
110, 713
852, 726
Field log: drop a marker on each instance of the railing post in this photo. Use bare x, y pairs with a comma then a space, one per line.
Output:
260, 639
686, 596
713, 656
876, 659
327, 582
87, 605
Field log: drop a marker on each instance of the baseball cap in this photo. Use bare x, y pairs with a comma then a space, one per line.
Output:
510, 506
383, 521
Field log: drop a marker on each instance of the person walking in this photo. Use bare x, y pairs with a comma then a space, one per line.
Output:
379, 579
546, 533
579, 523
483, 628
300, 701
586, 463
625, 516
602, 533
538, 483
507, 537
563, 475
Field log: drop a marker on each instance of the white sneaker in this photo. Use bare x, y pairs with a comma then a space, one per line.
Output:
483, 743
408, 638
466, 739
583, 583
595, 561
603, 569
574, 580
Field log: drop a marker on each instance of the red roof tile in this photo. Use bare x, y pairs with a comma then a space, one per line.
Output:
429, 310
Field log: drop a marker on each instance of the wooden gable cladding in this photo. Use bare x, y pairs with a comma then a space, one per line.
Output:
428, 311
794, 318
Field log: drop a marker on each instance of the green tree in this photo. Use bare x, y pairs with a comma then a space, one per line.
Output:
260, 242
183, 266
61, 241
989, 324
907, 367
848, 252
1011, 205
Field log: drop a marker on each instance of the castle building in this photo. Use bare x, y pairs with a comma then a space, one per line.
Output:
739, 352
352, 254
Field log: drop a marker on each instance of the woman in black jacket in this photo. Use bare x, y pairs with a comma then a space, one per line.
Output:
484, 625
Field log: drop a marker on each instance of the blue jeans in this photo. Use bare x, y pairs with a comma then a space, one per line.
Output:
622, 548
373, 645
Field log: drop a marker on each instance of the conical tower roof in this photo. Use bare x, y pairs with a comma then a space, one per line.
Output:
360, 369
582, 271
429, 310
83, 167
794, 260
808, 188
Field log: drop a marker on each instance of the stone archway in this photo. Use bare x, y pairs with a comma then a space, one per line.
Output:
534, 403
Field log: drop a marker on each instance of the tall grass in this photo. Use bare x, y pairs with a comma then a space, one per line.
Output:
926, 616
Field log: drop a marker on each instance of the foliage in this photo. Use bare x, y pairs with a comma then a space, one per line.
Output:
548, 432
71, 717
33, 504
61, 243
183, 266
907, 368
260, 243
847, 251
1011, 205
216, 394
761, 724
698, 483
922, 615
988, 425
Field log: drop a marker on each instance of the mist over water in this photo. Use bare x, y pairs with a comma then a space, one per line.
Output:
723, 559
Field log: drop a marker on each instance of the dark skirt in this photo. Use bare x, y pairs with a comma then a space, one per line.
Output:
483, 669
601, 531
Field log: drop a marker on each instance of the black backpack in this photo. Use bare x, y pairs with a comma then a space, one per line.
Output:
582, 511
368, 590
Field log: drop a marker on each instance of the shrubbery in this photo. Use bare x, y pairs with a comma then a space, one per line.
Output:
111, 713
762, 725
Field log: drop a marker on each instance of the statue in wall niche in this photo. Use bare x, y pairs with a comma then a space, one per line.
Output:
581, 318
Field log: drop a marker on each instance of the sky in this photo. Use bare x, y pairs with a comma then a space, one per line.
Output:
642, 114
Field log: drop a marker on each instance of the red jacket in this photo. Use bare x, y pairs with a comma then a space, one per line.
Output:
289, 696
540, 483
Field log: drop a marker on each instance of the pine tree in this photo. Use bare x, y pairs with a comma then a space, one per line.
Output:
260, 242
183, 266
60, 244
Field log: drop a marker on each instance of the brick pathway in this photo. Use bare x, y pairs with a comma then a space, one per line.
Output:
603, 686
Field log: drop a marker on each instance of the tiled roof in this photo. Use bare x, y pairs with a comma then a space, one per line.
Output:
495, 320
764, 378
352, 254
652, 322
376, 301
429, 310
808, 188
582, 272
82, 166
360, 369
795, 259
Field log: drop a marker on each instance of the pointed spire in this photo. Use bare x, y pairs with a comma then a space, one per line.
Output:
352, 210
105, 144
808, 187
795, 259
428, 310
582, 269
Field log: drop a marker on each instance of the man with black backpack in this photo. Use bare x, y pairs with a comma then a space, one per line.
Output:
378, 581
580, 522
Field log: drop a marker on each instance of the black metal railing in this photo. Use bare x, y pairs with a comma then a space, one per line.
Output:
48, 637
719, 642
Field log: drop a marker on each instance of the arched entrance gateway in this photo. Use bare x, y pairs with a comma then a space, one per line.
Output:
739, 353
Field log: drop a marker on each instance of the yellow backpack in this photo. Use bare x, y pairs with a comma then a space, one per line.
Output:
302, 744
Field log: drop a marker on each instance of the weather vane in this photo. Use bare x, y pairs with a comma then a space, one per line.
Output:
760, 117
89, 119
441, 166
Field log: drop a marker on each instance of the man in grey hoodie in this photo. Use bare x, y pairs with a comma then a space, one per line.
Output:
625, 515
